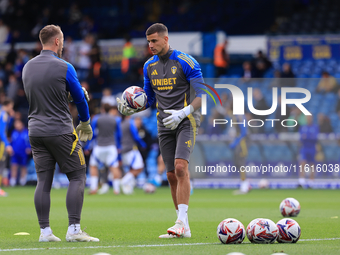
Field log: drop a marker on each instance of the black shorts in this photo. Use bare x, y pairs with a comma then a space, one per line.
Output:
178, 143
62, 149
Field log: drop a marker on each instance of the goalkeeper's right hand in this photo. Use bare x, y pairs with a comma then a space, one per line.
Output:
123, 109
85, 131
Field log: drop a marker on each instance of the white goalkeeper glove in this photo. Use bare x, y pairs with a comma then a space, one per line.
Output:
176, 117
85, 131
70, 99
123, 109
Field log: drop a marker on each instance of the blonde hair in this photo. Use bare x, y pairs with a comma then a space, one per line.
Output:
48, 32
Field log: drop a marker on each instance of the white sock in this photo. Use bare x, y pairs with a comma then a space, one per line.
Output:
182, 213
22, 181
187, 223
73, 229
105, 186
244, 187
158, 179
46, 231
186, 220
128, 178
12, 182
93, 182
116, 185
302, 181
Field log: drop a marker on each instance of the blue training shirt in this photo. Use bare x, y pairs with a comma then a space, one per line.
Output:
3, 127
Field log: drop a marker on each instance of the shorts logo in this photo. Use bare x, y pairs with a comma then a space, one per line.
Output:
154, 72
173, 69
188, 143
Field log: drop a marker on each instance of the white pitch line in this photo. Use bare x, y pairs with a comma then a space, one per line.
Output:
325, 239
141, 246
105, 247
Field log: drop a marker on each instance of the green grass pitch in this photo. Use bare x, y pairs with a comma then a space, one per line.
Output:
132, 224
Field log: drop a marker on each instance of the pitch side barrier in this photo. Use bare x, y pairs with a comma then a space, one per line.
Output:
273, 157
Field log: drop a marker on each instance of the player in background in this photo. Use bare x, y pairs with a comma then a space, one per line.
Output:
21, 149
158, 179
308, 140
173, 79
131, 157
48, 80
107, 132
146, 136
240, 150
5, 147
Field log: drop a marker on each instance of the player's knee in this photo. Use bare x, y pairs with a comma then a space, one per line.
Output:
181, 169
171, 176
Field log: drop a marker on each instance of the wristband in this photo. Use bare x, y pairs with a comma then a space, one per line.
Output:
188, 110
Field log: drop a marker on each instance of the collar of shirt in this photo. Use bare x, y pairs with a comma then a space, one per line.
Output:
48, 52
166, 56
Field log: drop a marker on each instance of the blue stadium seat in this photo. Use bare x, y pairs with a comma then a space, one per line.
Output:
254, 154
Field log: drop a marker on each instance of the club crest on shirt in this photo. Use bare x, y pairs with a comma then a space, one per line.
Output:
173, 69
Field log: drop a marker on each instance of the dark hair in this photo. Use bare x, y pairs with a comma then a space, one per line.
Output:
107, 107
48, 32
157, 28
7, 101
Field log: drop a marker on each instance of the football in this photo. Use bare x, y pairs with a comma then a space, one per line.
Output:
264, 231
134, 97
149, 188
290, 207
263, 184
231, 231
249, 228
289, 231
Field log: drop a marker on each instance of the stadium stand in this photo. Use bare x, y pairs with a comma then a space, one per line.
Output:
114, 19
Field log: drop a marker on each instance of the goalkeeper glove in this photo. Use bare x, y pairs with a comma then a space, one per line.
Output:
123, 109
85, 131
176, 117
70, 98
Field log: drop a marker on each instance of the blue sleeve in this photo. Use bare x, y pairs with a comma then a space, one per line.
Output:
73, 85
89, 143
3, 135
118, 134
27, 140
94, 126
135, 135
12, 137
314, 136
193, 73
147, 87
243, 133
301, 133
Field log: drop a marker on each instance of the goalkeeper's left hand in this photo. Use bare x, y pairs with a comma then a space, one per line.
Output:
176, 117
85, 131
123, 109
70, 99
